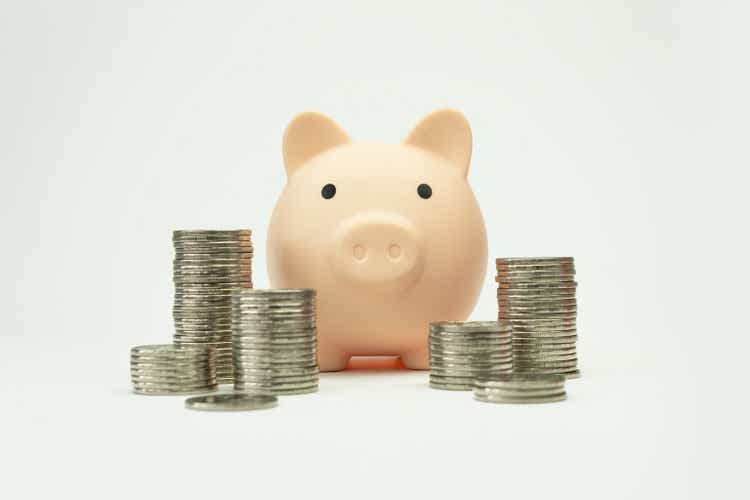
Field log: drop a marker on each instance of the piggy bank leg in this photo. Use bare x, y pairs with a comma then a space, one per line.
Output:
417, 360
331, 359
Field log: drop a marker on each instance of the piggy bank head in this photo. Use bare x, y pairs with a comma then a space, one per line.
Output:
390, 236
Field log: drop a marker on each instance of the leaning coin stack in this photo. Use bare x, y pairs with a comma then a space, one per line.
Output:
275, 341
521, 388
208, 265
172, 369
538, 297
462, 351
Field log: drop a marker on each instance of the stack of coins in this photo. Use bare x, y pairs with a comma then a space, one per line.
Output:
461, 351
538, 297
275, 341
521, 388
208, 265
171, 369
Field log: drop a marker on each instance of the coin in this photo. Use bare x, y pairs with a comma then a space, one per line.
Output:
232, 402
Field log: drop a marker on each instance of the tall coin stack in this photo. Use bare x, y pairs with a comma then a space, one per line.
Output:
208, 265
171, 369
538, 297
463, 351
275, 341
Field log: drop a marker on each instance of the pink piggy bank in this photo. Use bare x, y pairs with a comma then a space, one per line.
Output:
390, 236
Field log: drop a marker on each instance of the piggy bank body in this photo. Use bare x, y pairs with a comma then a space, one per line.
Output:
390, 236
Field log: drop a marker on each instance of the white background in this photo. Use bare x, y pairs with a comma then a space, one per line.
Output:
615, 132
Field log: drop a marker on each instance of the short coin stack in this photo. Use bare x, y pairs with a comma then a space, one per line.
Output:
462, 351
208, 265
538, 297
521, 388
275, 341
172, 369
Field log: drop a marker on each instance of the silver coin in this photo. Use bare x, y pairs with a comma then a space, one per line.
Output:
213, 245
232, 402
282, 371
284, 293
296, 391
167, 373
181, 386
204, 301
533, 260
521, 353
246, 386
211, 239
518, 391
544, 367
217, 322
455, 379
461, 336
482, 345
536, 305
168, 350
530, 333
539, 286
469, 354
533, 277
489, 344
521, 400
203, 307
447, 386
450, 386
544, 334
290, 382
172, 392
189, 233
537, 357
229, 275
225, 256
552, 324
540, 363
536, 293
567, 372
218, 341
263, 299
196, 279
472, 357
521, 316
524, 381
469, 326
468, 336
469, 373
537, 299
218, 264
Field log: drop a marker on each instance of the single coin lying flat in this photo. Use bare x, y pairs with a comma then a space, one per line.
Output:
232, 402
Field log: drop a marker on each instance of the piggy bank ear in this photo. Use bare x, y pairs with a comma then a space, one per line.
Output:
307, 135
447, 133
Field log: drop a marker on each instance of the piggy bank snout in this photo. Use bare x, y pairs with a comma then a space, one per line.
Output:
377, 248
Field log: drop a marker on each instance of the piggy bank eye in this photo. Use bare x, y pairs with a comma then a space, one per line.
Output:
424, 191
328, 191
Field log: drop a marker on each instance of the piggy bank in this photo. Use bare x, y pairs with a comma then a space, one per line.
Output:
390, 236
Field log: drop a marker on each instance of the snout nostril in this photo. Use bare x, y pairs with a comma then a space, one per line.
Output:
359, 252
394, 251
